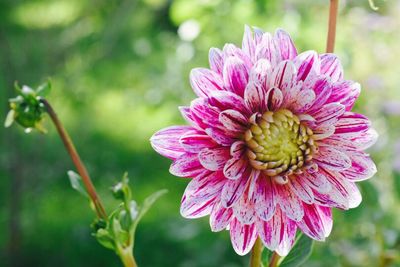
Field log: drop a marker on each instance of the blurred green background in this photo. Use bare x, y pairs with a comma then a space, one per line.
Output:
119, 70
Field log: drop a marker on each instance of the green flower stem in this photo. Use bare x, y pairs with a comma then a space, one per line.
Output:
126, 256
333, 11
256, 252
69, 145
274, 259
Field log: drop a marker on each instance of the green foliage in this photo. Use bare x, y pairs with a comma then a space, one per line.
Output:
76, 183
300, 252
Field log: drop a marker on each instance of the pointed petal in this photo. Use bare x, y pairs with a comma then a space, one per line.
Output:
263, 197
352, 123
205, 81
346, 93
235, 75
235, 167
270, 232
316, 180
220, 217
166, 141
233, 121
244, 209
187, 165
330, 66
301, 189
224, 100
195, 141
248, 43
232, 191
290, 204
220, 136
332, 159
317, 222
274, 99
237, 149
285, 44
329, 113
267, 49
216, 60
288, 238
284, 76
243, 236
214, 159
308, 65
362, 167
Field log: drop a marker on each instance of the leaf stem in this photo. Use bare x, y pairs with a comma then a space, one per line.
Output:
274, 259
256, 252
333, 11
69, 145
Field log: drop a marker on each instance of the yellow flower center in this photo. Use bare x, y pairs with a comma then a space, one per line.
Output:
277, 143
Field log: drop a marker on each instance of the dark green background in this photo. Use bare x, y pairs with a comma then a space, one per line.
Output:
119, 70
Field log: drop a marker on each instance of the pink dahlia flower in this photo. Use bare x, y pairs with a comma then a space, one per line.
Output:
272, 145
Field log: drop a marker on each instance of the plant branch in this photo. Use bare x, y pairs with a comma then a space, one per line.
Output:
274, 259
256, 252
333, 11
69, 145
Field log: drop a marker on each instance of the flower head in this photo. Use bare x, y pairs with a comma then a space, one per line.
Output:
272, 144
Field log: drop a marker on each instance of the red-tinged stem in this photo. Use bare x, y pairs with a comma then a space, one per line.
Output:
333, 11
69, 145
274, 260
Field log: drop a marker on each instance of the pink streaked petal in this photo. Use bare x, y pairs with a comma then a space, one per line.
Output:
301, 189
260, 73
332, 158
187, 165
331, 66
220, 136
274, 99
315, 180
248, 43
329, 113
243, 236
322, 88
264, 197
235, 167
192, 208
194, 141
317, 222
205, 81
346, 93
303, 101
255, 92
214, 159
322, 131
205, 185
270, 232
308, 65
233, 190
268, 49
284, 77
360, 141
166, 141
220, 217
233, 121
230, 50
244, 209
362, 167
352, 122
288, 238
216, 60
236, 75
344, 193
187, 115
203, 114
237, 149
224, 100
285, 44
289, 203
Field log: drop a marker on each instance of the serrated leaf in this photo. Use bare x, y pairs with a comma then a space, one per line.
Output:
300, 252
76, 183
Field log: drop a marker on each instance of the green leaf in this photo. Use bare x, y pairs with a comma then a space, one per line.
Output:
105, 239
148, 202
300, 252
44, 89
76, 183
